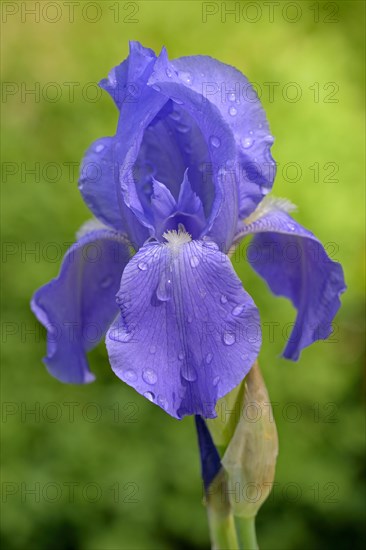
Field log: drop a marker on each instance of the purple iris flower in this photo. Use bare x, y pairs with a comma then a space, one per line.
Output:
185, 177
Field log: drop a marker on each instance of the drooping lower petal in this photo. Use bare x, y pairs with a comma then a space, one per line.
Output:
79, 305
295, 265
188, 332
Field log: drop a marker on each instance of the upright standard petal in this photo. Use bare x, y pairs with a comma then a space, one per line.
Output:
79, 305
230, 91
295, 265
188, 332
218, 135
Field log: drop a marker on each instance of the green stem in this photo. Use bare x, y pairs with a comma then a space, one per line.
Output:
246, 531
220, 519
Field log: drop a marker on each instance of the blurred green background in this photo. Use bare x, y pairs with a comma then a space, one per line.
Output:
98, 467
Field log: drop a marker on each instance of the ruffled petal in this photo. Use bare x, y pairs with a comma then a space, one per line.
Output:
79, 305
97, 183
295, 265
188, 332
122, 83
233, 95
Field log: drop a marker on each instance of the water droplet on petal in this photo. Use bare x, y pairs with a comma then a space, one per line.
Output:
149, 395
194, 261
216, 380
175, 115
181, 356
189, 373
211, 244
228, 338
209, 358
189, 319
162, 402
153, 349
231, 96
187, 77
168, 72
238, 310
177, 100
106, 282
164, 290
223, 299
183, 128
142, 266
291, 227
156, 87
99, 148
247, 142
130, 375
120, 335
215, 141
149, 376
232, 111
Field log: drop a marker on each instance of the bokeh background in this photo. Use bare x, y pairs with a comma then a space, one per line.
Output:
98, 467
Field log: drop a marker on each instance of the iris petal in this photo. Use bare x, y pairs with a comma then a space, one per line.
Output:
188, 332
97, 183
233, 95
295, 265
79, 305
223, 215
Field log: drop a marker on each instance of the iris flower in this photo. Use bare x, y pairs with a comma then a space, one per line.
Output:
185, 177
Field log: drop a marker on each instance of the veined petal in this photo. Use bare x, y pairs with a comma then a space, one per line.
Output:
79, 305
188, 332
295, 265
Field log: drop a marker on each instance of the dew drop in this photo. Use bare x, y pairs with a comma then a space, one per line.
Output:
168, 72
291, 227
187, 77
177, 100
99, 148
156, 87
215, 141
149, 376
232, 111
119, 335
181, 356
182, 128
142, 266
211, 244
175, 115
106, 282
149, 395
228, 338
189, 373
153, 349
247, 142
130, 375
209, 358
189, 319
194, 261
232, 96
164, 290
216, 380
238, 310
162, 402
223, 299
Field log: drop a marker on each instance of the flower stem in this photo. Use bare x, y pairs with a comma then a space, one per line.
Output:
246, 531
220, 519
